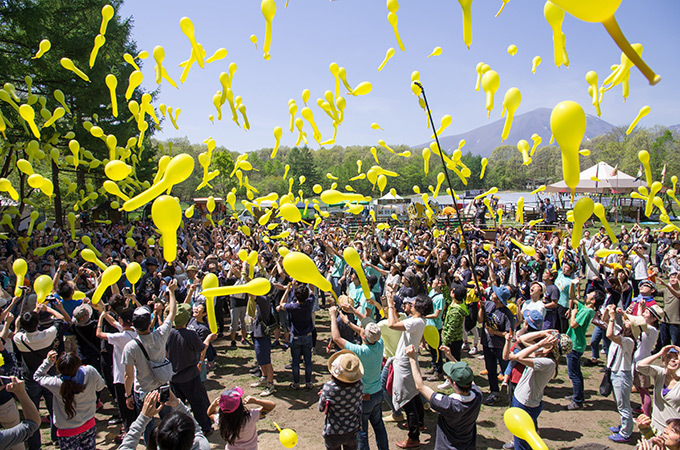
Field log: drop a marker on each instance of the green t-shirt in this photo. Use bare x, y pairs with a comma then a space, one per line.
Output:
578, 335
338, 266
371, 358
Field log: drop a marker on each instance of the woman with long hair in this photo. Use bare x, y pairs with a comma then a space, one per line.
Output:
75, 394
666, 381
236, 422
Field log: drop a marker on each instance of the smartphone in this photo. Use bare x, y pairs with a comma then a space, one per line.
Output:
165, 393
127, 291
5, 380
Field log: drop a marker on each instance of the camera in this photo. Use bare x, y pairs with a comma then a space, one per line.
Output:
5, 380
165, 393
200, 274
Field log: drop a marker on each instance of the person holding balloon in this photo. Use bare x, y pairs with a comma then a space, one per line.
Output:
262, 327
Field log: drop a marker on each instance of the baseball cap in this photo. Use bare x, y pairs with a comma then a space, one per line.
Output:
409, 300
183, 314
230, 399
151, 261
540, 283
459, 372
649, 283
372, 331
141, 318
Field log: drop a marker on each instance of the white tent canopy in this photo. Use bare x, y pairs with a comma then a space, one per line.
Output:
389, 196
611, 180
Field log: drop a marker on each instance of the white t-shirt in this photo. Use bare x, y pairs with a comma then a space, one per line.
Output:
639, 267
415, 326
646, 343
620, 357
537, 305
118, 340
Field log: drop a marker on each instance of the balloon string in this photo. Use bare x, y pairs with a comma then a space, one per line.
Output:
448, 181
615, 32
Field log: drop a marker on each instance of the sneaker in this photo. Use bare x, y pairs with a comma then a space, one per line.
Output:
473, 351
429, 371
484, 372
491, 399
504, 388
389, 417
590, 362
233, 343
115, 420
295, 386
269, 390
509, 445
259, 383
480, 356
615, 429
244, 342
254, 370
465, 346
309, 386
618, 438
288, 366
573, 405
444, 385
435, 377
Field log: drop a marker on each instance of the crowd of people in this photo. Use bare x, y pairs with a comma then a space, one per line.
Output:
148, 347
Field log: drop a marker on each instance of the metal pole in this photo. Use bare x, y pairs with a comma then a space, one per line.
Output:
448, 181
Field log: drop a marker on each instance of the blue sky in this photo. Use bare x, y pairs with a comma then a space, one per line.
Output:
310, 34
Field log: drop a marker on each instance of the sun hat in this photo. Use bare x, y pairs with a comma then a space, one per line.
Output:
230, 399
372, 331
183, 314
638, 325
459, 372
657, 311
502, 293
192, 267
563, 345
346, 366
533, 318
649, 283
540, 283
82, 313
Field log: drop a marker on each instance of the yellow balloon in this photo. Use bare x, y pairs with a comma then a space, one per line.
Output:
392, 19
568, 125
288, 438
511, 102
526, 249
302, 268
189, 213
28, 114
117, 170
512, 49
110, 276
36, 181
642, 113
210, 204
268, 8
130, 242
43, 48
78, 295
6, 186
167, 216
42, 287
490, 83
210, 281
252, 261
485, 161
89, 256
388, 56
599, 211
107, 14
290, 212
179, 169
520, 424
187, 27
317, 189
604, 252
467, 21
258, 286
353, 260
583, 209
535, 63
554, 15
431, 335
19, 267
435, 52
362, 88
67, 64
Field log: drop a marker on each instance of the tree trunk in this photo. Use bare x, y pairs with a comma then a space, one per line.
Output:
58, 215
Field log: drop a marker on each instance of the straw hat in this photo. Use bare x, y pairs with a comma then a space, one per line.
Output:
346, 366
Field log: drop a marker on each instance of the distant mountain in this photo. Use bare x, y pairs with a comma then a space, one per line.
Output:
675, 128
483, 140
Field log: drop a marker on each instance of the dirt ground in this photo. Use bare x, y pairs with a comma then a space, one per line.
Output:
561, 429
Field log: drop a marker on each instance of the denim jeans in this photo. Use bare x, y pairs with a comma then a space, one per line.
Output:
301, 346
668, 334
35, 391
387, 396
599, 336
575, 375
372, 412
336, 286
622, 382
492, 358
533, 413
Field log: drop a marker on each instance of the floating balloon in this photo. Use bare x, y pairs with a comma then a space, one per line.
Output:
43, 48
133, 272
604, 252
435, 52
258, 286
109, 277
99, 41
278, 132
67, 64
290, 212
268, 8
42, 287
526, 249
643, 156
467, 21
19, 267
303, 269
512, 49
392, 19
117, 170
554, 15
28, 114
6, 186
445, 122
491, 191
490, 84
107, 15
89, 256
167, 216
485, 161
388, 56
520, 424
583, 209
179, 169
511, 102
568, 125
642, 113
431, 335
34, 216
535, 63
210, 281
523, 147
